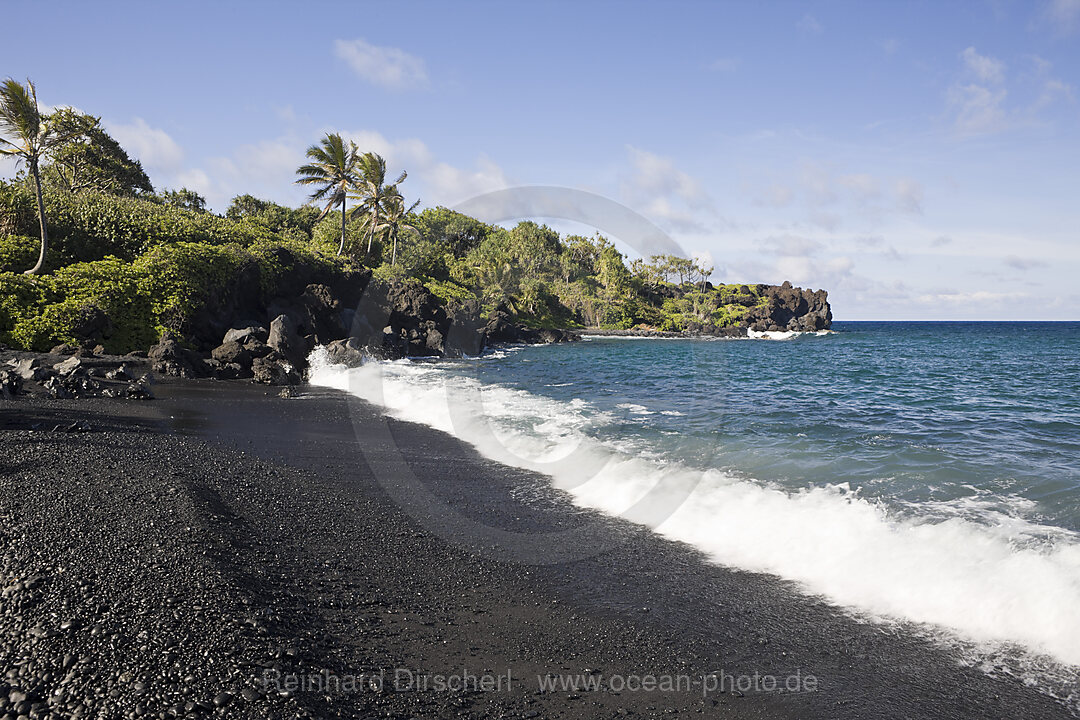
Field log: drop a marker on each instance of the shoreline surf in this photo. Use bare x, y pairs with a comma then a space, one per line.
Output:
880, 565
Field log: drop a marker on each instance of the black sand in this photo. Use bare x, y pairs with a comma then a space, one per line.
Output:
186, 550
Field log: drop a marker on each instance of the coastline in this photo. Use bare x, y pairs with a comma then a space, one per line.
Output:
735, 332
273, 543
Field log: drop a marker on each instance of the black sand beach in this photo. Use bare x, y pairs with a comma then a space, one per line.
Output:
223, 551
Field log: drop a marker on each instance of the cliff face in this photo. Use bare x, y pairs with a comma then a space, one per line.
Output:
790, 308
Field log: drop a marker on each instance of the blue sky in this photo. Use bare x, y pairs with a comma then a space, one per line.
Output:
918, 160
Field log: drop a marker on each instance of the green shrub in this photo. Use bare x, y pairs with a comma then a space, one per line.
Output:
18, 253
182, 279
100, 299
89, 226
280, 259
21, 297
389, 273
450, 293
18, 209
728, 315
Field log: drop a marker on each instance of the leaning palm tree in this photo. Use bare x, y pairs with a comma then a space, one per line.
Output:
333, 168
372, 192
395, 220
27, 136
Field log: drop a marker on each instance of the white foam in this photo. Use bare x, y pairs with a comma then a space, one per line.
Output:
635, 409
996, 580
785, 334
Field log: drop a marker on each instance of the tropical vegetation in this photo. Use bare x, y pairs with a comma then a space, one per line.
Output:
134, 262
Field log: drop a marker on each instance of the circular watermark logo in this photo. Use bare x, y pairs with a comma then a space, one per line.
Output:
458, 405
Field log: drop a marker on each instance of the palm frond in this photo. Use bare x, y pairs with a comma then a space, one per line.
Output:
20, 118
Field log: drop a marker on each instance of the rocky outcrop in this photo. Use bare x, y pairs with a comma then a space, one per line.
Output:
169, 357
790, 308
501, 328
349, 352
76, 376
404, 319
385, 320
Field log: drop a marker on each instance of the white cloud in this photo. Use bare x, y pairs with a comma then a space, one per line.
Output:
808, 272
265, 169
655, 174
1052, 91
891, 253
865, 187
792, 245
158, 152
273, 161
657, 188
1064, 14
704, 259
809, 25
440, 182
725, 65
979, 101
984, 67
776, 195
829, 198
1018, 263
818, 183
386, 66
978, 109
969, 298
909, 195
198, 181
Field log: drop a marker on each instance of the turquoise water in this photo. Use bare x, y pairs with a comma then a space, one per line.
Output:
914, 414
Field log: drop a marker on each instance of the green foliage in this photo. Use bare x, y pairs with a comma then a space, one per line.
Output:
126, 305
327, 235
18, 253
390, 273
182, 199
21, 298
728, 315
294, 223
89, 158
449, 231
280, 259
102, 296
183, 278
450, 293
17, 208
88, 226
124, 269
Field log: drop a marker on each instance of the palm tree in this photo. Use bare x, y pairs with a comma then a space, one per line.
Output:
372, 191
333, 167
395, 219
26, 136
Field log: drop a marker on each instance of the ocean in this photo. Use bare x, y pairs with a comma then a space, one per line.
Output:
924, 475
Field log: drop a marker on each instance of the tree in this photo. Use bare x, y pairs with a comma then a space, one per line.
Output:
333, 167
90, 159
451, 231
291, 222
372, 191
26, 136
395, 221
184, 199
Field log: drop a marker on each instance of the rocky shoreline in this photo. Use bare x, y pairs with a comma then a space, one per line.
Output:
363, 319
